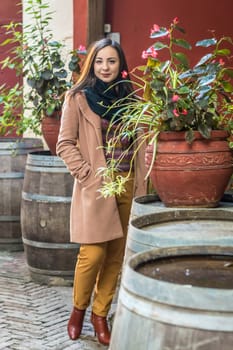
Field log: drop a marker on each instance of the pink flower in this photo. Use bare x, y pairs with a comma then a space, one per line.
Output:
82, 48
154, 29
145, 54
175, 98
175, 112
151, 52
124, 74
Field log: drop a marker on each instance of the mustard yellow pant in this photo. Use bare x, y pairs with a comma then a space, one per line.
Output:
98, 265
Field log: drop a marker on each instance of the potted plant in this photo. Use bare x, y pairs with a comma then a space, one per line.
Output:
183, 113
39, 59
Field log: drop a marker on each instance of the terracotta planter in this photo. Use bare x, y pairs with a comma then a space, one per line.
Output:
193, 175
50, 126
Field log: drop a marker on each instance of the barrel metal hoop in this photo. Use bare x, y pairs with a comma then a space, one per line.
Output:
16, 152
45, 161
48, 245
44, 198
50, 272
10, 240
177, 316
47, 169
9, 218
12, 175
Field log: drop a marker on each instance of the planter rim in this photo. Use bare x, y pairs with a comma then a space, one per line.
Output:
180, 135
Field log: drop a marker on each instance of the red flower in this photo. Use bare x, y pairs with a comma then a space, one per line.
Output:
177, 113
175, 20
221, 62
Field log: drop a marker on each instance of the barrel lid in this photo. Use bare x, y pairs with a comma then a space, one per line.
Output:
180, 295
181, 227
44, 159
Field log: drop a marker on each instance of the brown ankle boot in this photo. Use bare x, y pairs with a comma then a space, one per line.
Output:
101, 328
75, 323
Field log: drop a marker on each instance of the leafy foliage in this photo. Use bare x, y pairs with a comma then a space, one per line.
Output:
171, 95
179, 97
38, 58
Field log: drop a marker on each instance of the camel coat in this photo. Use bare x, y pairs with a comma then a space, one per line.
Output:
93, 219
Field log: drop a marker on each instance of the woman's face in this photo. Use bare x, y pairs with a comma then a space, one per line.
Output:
107, 64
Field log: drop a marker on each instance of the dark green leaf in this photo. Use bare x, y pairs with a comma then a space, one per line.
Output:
182, 58
36, 101
182, 43
227, 86
228, 71
55, 44
183, 90
189, 136
159, 46
39, 83
157, 84
31, 82
57, 65
204, 130
50, 109
47, 74
75, 58
61, 73
180, 29
74, 67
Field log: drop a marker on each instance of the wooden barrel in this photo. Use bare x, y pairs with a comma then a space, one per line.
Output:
176, 298
13, 155
45, 215
180, 227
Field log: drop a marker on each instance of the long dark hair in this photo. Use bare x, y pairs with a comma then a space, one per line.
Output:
88, 78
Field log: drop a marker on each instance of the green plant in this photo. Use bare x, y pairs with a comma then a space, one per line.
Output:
39, 59
11, 99
172, 95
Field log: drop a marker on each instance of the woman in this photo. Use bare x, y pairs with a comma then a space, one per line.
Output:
98, 224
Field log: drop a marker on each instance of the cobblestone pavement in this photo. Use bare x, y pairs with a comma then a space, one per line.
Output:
34, 316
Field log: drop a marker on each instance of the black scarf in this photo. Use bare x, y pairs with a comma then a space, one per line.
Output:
102, 96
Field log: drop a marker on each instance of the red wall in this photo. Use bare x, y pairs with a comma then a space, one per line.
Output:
10, 10
80, 22
134, 18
